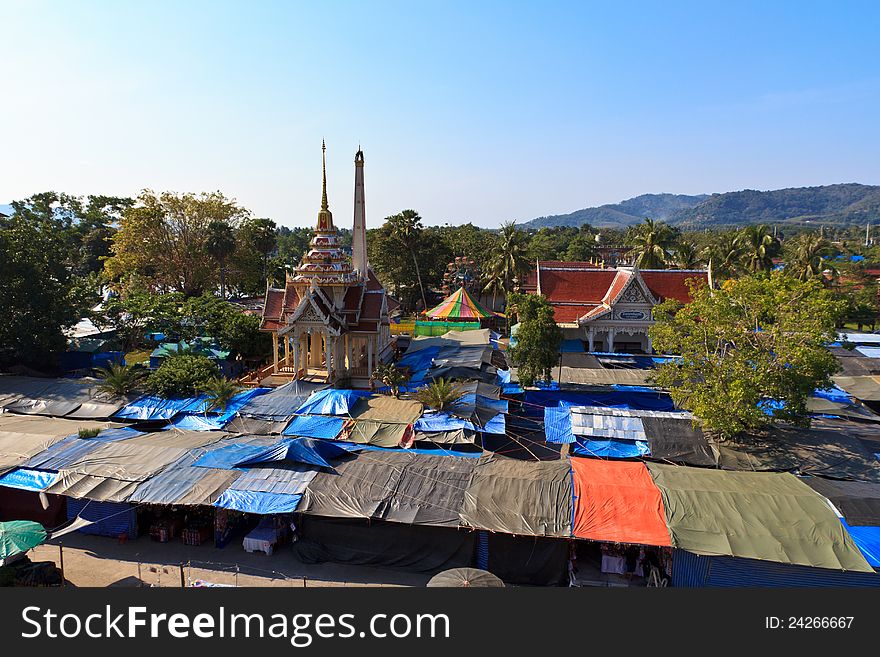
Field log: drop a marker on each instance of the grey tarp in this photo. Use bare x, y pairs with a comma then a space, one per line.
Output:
182, 484
283, 478
852, 363
279, 404
104, 489
124, 461
531, 498
389, 544
397, 486
452, 437
820, 406
678, 440
820, 451
58, 397
865, 388
22, 437
242, 424
859, 502
758, 515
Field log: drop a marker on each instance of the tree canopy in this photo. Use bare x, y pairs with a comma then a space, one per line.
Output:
751, 352
538, 337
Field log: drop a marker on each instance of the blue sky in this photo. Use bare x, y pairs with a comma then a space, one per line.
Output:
471, 111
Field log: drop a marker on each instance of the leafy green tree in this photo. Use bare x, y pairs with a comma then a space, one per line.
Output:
292, 244
583, 246
163, 239
469, 241
723, 254
256, 242
183, 375
653, 243
440, 395
118, 380
755, 339
759, 247
39, 295
391, 377
538, 337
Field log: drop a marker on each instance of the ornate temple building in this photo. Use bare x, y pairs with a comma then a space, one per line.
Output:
608, 310
330, 321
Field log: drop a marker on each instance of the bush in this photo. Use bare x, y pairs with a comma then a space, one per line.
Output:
182, 376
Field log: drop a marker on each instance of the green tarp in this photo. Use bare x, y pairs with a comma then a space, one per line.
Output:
19, 536
757, 515
529, 498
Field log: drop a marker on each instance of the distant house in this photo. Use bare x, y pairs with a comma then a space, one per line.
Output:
608, 310
200, 347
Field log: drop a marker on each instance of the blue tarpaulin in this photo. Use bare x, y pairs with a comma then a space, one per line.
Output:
867, 539
71, 449
149, 408
611, 449
27, 479
197, 420
572, 346
331, 402
626, 398
257, 502
228, 456
430, 422
299, 450
557, 424
834, 394
314, 426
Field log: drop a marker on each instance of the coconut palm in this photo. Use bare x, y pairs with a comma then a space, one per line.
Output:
724, 255
509, 263
807, 256
219, 391
118, 380
653, 242
406, 228
685, 256
759, 246
441, 394
392, 377
220, 245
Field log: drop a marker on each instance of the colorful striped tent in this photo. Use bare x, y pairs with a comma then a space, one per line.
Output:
459, 305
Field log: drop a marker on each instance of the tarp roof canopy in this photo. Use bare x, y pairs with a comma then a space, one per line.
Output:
617, 502
459, 305
395, 486
79, 398
758, 515
531, 498
858, 501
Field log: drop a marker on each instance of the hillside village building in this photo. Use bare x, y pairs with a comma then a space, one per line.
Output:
329, 322
609, 310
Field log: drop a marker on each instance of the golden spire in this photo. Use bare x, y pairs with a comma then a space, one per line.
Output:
324, 205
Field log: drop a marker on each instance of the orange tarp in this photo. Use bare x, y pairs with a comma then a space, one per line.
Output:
617, 502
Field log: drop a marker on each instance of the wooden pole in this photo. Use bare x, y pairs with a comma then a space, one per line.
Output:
182, 579
61, 560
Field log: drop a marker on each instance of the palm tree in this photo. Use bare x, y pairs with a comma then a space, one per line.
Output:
759, 246
685, 256
494, 284
724, 255
441, 395
509, 262
653, 242
807, 256
391, 376
219, 391
406, 228
118, 380
220, 245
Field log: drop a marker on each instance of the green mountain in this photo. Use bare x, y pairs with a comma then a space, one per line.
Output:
827, 204
626, 213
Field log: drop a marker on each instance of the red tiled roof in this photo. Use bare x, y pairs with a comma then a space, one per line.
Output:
569, 314
352, 301
588, 286
620, 281
373, 283
672, 283
371, 306
272, 309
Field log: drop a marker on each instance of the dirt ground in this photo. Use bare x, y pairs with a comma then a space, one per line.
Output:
100, 561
